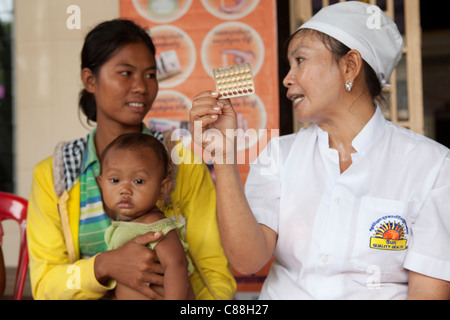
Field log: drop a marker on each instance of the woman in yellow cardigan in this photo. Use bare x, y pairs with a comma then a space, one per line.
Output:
66, 220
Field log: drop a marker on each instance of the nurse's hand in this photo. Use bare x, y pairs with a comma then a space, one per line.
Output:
213, 126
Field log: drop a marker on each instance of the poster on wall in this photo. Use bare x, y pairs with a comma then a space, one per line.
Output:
193, 37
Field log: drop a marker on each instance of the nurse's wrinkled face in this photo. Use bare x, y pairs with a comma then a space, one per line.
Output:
314, 80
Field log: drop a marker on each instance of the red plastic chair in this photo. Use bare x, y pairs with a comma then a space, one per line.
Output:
15, 208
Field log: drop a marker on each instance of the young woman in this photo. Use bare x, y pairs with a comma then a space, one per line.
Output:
352, 207
66, 220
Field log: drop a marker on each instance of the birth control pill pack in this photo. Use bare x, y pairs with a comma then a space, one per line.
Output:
234, 81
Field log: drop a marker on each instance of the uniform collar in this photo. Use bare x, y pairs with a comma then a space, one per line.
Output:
371, 132
368, 135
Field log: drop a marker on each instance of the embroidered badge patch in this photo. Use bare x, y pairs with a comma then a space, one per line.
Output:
389, 233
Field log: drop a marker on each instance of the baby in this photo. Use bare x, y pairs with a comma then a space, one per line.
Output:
134, 177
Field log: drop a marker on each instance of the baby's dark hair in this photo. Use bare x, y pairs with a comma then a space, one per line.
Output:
138, 141
100, 44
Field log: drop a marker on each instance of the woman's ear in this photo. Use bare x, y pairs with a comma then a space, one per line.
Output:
352, 64
166, 186
88, 78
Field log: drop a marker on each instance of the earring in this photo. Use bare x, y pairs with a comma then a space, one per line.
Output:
349, 86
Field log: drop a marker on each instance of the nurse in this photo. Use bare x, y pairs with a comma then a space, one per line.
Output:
352, 207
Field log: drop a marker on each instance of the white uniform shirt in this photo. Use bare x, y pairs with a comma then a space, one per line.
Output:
353, 235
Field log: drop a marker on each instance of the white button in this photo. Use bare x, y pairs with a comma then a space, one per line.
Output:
325, 259
337, 200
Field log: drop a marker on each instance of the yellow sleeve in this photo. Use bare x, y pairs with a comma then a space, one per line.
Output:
195, 197
51, 273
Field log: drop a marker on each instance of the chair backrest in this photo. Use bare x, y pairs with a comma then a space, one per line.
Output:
13, 207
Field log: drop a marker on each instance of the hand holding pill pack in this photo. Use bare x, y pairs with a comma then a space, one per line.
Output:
234, 81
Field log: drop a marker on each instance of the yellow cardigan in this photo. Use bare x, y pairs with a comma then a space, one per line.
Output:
56, 270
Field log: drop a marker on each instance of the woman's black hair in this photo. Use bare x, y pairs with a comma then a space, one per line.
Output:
339, 50
100, 44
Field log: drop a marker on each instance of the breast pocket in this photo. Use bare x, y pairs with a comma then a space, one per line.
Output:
382, 235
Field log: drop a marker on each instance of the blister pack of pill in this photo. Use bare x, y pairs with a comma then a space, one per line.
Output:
234, 81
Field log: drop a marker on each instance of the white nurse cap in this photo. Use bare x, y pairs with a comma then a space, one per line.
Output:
365, 28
